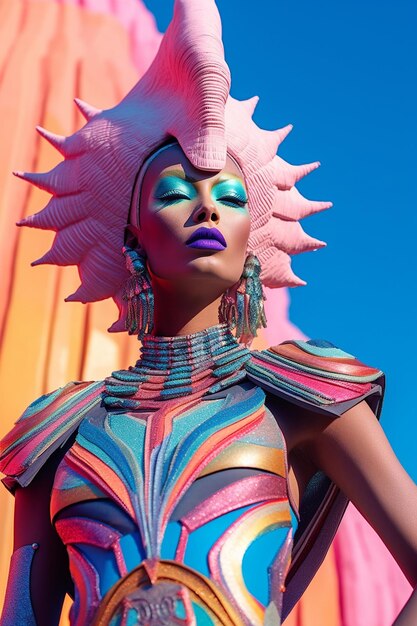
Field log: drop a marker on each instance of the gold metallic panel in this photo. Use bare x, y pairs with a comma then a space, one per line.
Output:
248, 455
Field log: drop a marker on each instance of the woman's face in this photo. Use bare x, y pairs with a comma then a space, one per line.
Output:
193, 224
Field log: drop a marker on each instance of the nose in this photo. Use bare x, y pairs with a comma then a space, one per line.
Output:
206, 212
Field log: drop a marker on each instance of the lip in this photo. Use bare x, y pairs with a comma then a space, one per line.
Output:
207, 239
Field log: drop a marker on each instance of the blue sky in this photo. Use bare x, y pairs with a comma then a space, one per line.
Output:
345, 75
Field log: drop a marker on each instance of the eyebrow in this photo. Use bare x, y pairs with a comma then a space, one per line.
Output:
181, 174
225, 177
177, 173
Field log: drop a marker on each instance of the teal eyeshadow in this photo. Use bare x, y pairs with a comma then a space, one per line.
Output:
169, 186
173, 184
233, 188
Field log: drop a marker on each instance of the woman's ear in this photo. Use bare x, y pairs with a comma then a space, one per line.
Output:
132, 237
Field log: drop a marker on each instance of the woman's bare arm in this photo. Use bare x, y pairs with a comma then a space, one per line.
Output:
355, 453
47, 582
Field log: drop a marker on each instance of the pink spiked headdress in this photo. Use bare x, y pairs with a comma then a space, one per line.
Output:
184, 95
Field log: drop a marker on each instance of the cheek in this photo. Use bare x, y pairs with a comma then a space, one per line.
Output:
243, 231
160, 225
238, 231
161, 239
237, 238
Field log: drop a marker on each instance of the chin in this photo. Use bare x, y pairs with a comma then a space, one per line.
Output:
203, 272
212, 268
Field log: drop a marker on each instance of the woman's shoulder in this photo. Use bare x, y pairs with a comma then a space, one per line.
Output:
316, 375
46, 425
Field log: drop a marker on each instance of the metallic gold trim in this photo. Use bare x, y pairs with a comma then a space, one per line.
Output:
248, 455
200, 588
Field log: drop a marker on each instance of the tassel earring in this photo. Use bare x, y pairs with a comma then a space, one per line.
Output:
242, 306
138, 294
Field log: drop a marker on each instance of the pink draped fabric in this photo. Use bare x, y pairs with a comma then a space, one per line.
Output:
372, 588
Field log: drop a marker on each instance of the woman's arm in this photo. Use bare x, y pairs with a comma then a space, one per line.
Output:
355, 453
38, 576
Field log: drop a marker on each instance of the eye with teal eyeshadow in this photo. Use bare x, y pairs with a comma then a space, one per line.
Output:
172, 189
231, 193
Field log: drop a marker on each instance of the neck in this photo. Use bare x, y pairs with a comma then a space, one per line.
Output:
179, 313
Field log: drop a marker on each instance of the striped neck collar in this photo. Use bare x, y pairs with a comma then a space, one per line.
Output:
174, 367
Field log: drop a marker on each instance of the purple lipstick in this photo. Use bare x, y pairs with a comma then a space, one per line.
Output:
207, 239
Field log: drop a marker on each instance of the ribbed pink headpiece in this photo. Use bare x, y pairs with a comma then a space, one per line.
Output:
185, 95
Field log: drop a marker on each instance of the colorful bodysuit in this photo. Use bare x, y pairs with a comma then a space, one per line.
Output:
172, 500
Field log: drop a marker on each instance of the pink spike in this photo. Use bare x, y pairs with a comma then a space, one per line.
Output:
26, 221
291, 279
303, 170
250, 104
292, 205
308, 244
119, 326
284, 235
77, 296
271, 143
284, 132
314, 206
57, 141
40, 180
291, 238
86, 110
297, 281
273, 139
286, 176
47, 259
276, 269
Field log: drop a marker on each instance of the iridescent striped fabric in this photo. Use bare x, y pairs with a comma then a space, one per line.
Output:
315, 372
173, 367
44, 426
178, 489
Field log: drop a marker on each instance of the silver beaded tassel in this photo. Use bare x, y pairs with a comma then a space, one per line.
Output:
138, 294
242, 306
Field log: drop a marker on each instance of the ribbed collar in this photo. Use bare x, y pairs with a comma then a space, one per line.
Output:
174, 367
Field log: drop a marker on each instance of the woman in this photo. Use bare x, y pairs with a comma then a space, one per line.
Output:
175, 485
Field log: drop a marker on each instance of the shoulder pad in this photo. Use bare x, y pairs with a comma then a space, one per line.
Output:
45, 425
315, 374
